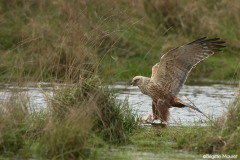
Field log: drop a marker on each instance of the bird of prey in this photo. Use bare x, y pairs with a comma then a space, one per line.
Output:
169, 75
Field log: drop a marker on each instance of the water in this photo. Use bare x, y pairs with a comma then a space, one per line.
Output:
36, 93
212, 99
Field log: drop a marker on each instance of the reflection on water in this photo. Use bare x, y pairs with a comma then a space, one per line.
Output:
212, 100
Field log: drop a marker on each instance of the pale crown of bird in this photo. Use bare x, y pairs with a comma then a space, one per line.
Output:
139, 80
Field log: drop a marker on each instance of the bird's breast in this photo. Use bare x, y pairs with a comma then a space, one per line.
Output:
154, 91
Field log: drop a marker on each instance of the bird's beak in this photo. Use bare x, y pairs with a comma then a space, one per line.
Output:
131, 83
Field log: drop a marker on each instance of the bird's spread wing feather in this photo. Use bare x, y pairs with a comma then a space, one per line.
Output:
172, 70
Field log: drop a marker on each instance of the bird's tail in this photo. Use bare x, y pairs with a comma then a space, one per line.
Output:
178, 103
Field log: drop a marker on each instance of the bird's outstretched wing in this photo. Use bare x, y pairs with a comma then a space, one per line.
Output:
172, 70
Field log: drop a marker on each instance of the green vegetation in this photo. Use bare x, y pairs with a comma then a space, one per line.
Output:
57, 40
83, 43
79, 119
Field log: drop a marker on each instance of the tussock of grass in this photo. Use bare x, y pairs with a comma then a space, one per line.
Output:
80, 117
231, 127
112, 119
19, 128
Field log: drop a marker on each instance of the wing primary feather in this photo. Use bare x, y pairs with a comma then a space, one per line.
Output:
214, 41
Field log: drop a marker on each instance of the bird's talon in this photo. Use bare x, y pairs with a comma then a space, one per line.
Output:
147, 119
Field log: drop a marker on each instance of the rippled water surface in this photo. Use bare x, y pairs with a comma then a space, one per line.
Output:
212, 99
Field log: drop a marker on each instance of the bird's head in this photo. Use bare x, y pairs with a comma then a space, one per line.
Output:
137, 81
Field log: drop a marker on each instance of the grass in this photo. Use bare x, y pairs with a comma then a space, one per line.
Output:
58, 40
155, 26
86, 43
79, 118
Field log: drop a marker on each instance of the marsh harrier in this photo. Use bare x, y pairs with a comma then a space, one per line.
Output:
169, 75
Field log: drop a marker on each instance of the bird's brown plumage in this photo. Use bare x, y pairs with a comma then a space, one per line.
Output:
169, 75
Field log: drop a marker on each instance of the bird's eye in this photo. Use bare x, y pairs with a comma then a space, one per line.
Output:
136, 80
